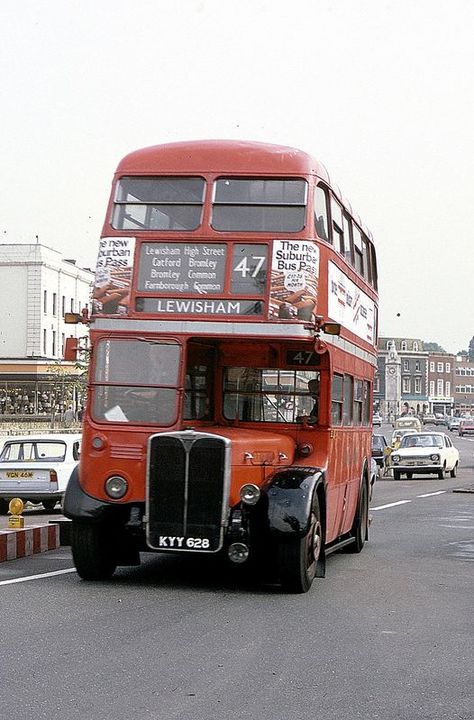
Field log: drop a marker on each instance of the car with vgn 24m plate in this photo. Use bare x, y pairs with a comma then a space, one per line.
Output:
37, 468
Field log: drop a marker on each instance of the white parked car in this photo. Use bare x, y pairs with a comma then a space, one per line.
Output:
37, 468
425, 453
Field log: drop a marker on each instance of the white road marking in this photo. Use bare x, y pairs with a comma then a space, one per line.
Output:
439, 492
399, 502
36, 577
403, 502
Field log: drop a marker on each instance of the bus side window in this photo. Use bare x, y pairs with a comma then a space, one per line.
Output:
348, 249
336, 226
321, 215
358, 250
337, 399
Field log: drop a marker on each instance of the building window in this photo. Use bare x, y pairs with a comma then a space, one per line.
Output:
432, 366
415, 346
406, 384
403, 345
53, 344
439, 388
377, 384
45, 301
55, 309
440, 367
72, 304
432, 385
44, 342
417, 366
418, 385
447, 387
448, 367
405, 365
63, 306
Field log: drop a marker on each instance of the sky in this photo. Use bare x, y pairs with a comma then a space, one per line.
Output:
380, 91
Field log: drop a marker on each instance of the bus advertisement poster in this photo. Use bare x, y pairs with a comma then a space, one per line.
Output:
349, 305
294, 279
113, 275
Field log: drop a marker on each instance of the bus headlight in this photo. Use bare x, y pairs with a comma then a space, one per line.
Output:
250, 494
435, 458
116, 487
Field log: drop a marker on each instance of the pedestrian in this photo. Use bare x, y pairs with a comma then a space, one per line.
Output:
69, 416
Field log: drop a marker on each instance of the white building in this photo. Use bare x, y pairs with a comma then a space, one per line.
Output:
37, 287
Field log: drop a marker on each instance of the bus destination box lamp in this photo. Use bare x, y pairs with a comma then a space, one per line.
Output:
325, 326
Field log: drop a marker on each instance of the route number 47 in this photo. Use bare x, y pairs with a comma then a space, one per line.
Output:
244, 267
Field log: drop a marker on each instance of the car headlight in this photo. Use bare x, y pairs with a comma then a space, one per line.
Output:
435, 458
395, 458
116, 487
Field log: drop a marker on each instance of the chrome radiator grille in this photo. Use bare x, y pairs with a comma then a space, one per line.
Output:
187, 491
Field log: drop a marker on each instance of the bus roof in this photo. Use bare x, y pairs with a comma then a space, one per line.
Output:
236, 157
222, 156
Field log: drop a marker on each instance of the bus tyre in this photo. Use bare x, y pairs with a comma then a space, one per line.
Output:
298, 557
360, 528
93, 551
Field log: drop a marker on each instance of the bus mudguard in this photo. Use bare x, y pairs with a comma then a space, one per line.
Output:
290, 496
80, 506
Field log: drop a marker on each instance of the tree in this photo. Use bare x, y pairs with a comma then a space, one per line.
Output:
471, 350
433, 347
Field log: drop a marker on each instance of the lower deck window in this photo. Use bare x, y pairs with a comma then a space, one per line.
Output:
135, 381
267, 394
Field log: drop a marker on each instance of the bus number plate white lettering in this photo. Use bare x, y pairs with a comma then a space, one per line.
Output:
183, 543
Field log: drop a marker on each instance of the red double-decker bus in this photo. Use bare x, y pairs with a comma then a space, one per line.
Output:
233, 346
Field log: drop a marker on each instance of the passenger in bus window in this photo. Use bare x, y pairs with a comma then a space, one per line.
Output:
310, 417
313, 388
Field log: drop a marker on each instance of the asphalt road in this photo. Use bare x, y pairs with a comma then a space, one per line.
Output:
387, 635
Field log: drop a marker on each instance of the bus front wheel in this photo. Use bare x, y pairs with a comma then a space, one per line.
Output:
93, 551
298, 557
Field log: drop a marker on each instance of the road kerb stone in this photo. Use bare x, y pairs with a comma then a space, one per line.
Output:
26, 541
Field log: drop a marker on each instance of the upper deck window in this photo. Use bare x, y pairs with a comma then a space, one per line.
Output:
259, 205
158, 203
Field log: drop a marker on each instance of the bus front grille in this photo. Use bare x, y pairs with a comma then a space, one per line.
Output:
187, 491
